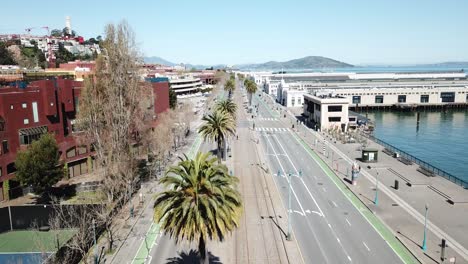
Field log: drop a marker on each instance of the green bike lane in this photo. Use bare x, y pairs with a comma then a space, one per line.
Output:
149, 241
404, 254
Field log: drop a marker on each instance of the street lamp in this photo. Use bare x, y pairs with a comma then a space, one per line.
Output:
95, 246
288, 237
424, 247
376, 199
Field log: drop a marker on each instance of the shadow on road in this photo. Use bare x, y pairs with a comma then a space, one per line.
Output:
192, 257
279, 227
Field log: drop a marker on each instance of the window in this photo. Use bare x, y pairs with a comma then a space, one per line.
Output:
11, 168
25, 121
334, 108
356, 99
1, 172
334, 119
77, 103
379, 99
293, 100
5, 146
71, 153
317, 107
352, 119
448, 97
28, 135
402, 98
425, 98
81, 150
467, 98
2, 124
35, 112
24, 105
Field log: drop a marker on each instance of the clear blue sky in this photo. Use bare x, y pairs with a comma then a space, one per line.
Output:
243, 31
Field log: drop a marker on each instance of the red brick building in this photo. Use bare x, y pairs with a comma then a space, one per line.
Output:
49, 106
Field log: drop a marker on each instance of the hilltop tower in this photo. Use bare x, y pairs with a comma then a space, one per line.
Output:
68, 24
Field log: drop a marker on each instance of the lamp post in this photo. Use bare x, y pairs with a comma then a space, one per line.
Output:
95, 246
424, 246
376, 199
290, 209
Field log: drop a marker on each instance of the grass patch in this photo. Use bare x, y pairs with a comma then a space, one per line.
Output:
91, 197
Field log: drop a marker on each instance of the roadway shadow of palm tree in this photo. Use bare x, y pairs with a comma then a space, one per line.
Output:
192, 257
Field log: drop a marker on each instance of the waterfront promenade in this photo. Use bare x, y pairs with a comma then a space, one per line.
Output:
402, 210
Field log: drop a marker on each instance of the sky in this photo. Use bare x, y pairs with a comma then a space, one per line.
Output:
361, 32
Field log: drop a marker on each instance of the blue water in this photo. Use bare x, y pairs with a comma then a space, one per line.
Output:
442, 138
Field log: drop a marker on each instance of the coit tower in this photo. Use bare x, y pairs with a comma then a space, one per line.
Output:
68, 24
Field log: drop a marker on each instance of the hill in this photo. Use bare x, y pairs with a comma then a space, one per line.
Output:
158, 60
310, 62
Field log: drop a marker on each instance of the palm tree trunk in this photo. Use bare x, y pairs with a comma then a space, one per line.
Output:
204, 259
250, 99
219, 152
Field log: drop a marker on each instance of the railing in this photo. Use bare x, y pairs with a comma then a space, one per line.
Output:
421, 163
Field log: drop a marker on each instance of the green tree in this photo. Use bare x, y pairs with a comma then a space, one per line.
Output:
251, 88
56, 33
227, 106
201, 202
230, 86
38, 165
217, 127
63, 55
6, 58
172, 99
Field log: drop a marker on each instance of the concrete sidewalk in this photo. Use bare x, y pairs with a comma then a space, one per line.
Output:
402, 210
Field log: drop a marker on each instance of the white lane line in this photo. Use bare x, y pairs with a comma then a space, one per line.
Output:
368, 249
337, 239
348, 221
297, 173
334, 204
324, 189
329, 226
284, 173
349, 258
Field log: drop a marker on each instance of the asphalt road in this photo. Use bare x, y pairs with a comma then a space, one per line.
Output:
328, 228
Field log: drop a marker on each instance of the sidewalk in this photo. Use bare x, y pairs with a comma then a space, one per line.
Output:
136, 236
402, 210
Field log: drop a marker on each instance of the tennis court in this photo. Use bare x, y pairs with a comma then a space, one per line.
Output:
30, 246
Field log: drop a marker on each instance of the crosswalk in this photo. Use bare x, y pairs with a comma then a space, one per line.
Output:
267, 118
272, 129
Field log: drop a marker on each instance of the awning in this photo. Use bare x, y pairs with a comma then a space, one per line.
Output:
33, 131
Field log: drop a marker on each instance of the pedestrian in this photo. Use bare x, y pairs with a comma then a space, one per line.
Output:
237, 136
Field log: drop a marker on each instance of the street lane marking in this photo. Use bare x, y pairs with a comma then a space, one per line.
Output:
366, 245
348, 221
334, 204
324, 189
349, 258
337, 239
284, 173
297, 172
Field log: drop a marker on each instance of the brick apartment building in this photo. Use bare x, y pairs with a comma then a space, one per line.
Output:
49, 106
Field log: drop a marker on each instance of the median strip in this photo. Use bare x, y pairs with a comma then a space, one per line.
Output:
404, 254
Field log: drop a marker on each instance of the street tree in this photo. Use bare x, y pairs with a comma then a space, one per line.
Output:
38, 165
230, 86
201, 202
227, 106
251, 88
217, 127
172, 99
113, 109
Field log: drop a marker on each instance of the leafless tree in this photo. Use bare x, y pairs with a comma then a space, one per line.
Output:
113, 108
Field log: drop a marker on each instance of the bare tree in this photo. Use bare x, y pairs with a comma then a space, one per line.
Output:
113, 108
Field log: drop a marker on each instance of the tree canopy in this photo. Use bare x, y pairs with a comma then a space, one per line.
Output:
201, 201
6, 58
38, 165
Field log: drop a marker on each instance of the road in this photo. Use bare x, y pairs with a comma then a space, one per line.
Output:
327, 226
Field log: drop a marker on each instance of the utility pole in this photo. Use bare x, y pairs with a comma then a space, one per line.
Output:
290, 209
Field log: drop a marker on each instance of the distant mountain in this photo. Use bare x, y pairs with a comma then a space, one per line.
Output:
158, 60
202, 67
310, 62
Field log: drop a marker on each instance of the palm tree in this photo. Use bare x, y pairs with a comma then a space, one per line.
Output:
251, 88
230, 86
201, 202
217, 127
227, 106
